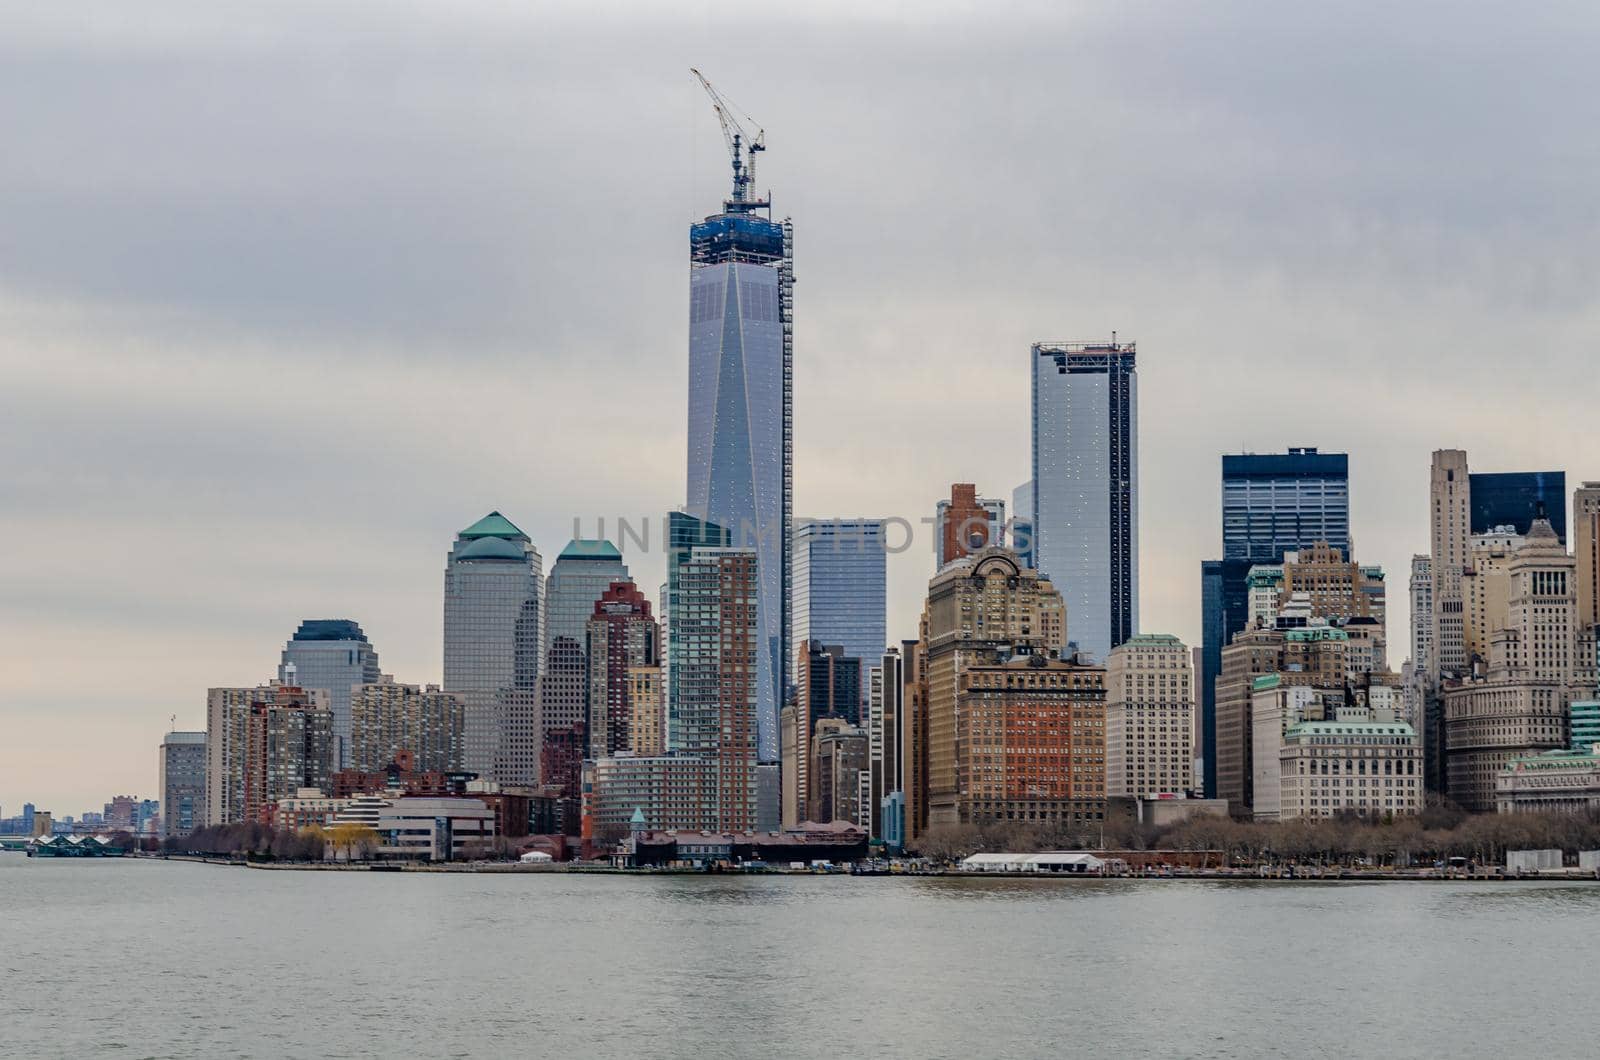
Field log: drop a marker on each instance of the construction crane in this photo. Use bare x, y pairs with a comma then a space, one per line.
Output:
742, 147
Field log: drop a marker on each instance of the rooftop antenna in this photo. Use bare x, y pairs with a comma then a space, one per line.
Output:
742, 147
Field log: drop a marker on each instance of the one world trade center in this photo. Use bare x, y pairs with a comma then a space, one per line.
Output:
741, 401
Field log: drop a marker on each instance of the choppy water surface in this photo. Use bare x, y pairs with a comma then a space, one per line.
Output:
153, 959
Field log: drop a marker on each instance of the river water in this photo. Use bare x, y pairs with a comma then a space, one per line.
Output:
169, 959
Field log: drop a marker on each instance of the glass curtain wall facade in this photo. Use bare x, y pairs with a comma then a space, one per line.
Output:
580, 577
840, 594
1515, 498
331, 654
493, 586
1085, 505
1271, 504
740, 434
685, 533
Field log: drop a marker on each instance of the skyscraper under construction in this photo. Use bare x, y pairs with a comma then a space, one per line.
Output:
741, 359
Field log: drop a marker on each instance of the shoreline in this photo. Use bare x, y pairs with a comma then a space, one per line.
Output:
1206, 875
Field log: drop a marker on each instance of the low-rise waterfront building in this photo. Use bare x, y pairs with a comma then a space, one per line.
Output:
835, 844
673, 792
306, 808
1562, 781
433, 829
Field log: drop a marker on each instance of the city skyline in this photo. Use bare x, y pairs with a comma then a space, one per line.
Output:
334, 550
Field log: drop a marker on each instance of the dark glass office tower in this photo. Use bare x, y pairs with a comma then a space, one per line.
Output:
1271, 504
1512, 498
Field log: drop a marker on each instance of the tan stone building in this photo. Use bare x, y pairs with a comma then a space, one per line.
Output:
1586, 546
1149, 717
1449, 530
1324, 751
648, 710
1317, 656
1336, 588
1012, 732
1562, 781
1364, 764
1518, 707
1486, 587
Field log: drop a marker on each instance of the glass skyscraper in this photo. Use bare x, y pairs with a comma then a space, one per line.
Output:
581, 575
685, 533
1085, 505
741, 414
331, 654
1272, 503
493, 585
1514, 498
839, 595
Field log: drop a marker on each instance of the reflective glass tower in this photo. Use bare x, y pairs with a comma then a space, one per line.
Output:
839, 595
740, 412
581, 575
331, 654
493, 585
1085, 506
1272, 503
1516, 498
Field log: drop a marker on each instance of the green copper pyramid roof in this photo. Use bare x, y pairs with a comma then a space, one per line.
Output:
493, 525
590, 548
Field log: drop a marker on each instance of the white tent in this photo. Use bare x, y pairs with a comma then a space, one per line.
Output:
1057, 861
536, 857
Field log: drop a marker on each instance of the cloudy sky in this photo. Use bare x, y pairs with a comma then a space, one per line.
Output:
290, 293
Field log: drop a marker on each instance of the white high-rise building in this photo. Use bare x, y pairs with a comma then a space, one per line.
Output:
1150, 716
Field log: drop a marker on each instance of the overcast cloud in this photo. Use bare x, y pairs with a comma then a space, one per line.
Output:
290, 293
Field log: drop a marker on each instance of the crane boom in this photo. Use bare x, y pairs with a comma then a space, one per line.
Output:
742, 146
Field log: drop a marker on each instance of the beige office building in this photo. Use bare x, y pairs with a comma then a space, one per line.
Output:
1149, 716
648, 721
1517, 707
1486, 587
1450, 530
1317, 656
1586, 546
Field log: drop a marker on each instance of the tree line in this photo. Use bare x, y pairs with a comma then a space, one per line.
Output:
1439, 833
260, 842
